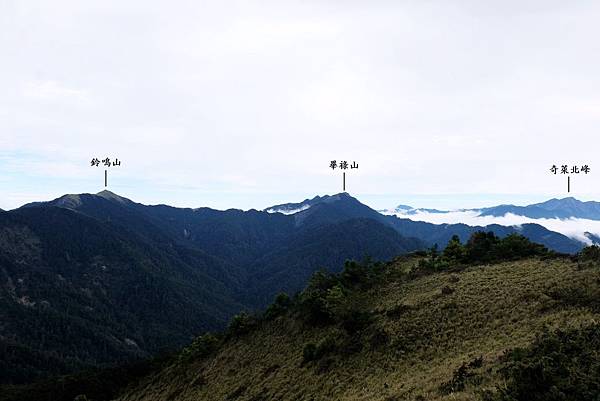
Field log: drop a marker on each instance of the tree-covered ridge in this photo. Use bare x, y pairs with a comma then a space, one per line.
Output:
78, 293
483, 247
89, 281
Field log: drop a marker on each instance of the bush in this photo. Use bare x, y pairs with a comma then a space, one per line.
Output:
455, 252
241, 324
482, 247
201, 347
312, 352
325, 346
588, 257
313, 309
327, 298
434, 262
516, 246
312, 304
279, 307
309, 352
437, 264
479, 247
578, 296
354, 273
462, 376
335, 300
447, 290
563, 365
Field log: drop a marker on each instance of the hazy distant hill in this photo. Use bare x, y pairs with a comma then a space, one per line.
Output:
552, 209
441, 233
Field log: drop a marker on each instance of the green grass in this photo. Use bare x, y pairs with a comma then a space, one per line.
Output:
421, 329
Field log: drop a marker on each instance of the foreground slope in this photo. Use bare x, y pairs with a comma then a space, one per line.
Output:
405, 334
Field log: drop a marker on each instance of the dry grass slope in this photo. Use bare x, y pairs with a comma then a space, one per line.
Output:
423, 329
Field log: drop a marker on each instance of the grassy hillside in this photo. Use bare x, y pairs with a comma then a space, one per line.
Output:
403, 331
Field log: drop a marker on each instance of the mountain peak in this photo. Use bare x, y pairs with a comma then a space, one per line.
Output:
108, 195
567, 199
74, 201
336, 197
69, 201
558, 204
292, 208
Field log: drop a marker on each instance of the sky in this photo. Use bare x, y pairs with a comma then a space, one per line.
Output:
445, 104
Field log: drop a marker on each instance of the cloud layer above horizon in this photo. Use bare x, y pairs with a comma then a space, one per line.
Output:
234, 104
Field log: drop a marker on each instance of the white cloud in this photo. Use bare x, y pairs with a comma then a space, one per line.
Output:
288, 211
52, 90
574, 228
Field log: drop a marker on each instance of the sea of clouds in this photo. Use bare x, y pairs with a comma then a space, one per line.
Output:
573, 227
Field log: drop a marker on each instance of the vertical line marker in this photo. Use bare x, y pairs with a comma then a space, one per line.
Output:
105, 178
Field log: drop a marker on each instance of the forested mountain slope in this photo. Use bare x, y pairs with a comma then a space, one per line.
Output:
95, 280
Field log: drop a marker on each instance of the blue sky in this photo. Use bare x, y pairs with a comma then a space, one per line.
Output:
443, 104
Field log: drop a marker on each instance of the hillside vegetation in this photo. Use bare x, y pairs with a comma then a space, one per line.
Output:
493, 320
408, 330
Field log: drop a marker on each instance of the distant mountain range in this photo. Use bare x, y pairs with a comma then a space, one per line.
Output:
429, 233
576, 219
553, 209
89, 280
